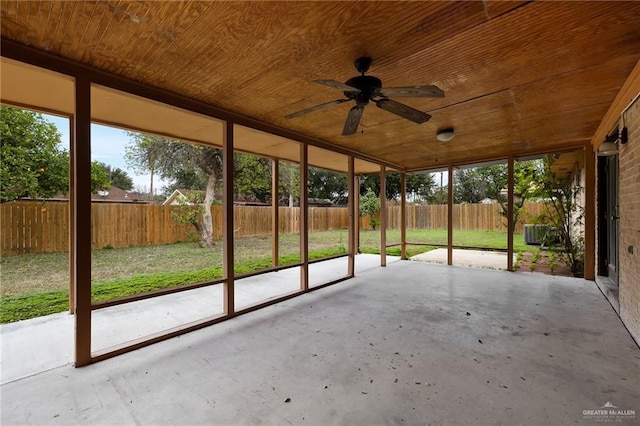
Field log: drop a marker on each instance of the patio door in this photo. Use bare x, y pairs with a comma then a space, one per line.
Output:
608, 222
613, 218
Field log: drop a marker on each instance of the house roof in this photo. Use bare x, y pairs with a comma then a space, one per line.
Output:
519, 78
115, 194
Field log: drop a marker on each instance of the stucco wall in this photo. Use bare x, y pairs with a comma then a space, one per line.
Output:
629, 249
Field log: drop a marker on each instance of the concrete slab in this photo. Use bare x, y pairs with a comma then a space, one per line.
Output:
470, 258
40, 344
412, 343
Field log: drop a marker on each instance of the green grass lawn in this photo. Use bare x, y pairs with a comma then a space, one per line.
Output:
37, 284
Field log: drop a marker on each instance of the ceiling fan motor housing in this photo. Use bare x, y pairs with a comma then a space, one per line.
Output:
368, 86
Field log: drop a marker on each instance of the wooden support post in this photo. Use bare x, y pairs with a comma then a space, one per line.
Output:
70, 212
275, 212
304, 219
383, 216
450, 216
227, 220
510, 218
356, 210
352, 218
403, 216
589, 213
81, 225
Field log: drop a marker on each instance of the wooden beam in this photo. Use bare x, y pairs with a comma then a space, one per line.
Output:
352, 218
275, 211
403, 215
628, 92
383, 216
227, 219
450, 216
81, 225
510, 221
304, 218
356, 211
590, 213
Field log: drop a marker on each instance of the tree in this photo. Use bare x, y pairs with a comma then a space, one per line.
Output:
142, 155
564, 213
327, 185
252, 177
369, 206
526, 174
192, 178
34, 164
476, 183
289, 182
118, 177
420, 184
171, 158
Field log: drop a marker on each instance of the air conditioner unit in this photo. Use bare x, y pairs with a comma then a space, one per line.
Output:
534, 234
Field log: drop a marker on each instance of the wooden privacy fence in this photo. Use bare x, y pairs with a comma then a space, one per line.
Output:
42, 227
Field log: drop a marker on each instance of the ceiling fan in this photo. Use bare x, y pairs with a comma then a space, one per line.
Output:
366, 88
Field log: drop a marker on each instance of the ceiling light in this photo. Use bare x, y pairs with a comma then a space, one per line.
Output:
607, 148
445, 135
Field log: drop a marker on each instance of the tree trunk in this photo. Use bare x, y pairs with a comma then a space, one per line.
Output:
205, 228
151, 185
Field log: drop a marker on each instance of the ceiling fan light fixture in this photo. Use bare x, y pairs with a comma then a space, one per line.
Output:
445, 135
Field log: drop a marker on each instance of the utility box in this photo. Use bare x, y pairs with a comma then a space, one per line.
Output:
534, 234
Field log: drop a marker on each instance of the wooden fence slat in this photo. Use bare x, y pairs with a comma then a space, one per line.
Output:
42, 227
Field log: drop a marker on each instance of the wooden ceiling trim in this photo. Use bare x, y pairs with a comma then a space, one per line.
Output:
45, 60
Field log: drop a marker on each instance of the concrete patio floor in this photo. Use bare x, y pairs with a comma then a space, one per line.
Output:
470, 258
412, 343
32, 346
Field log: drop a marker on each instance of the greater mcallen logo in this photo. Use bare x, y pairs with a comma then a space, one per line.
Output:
609, 413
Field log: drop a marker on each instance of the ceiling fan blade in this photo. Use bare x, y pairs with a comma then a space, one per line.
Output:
315, 108
403, 111
353, 119
411, 92
337, 85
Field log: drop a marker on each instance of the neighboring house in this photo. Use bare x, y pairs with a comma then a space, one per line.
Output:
112, 195
118, 195
182, 196
185, 197
487, 201
319, 202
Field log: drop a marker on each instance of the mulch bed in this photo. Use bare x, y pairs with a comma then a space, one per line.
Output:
543, 264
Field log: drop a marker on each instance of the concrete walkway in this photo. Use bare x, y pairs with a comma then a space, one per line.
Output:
40, 344
412, 343
470, 258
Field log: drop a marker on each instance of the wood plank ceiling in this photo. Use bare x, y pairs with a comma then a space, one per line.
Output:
519, 77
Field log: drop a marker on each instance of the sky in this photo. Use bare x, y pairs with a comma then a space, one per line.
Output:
108, 146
